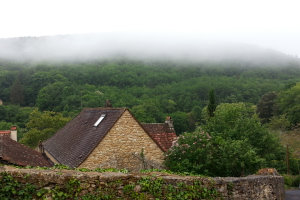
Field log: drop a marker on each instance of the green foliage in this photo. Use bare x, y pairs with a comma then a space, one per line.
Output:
15, 114
70, 190
266, 106
231, 143
152, 90
196, 114
17, 93
181, 122
156, 188
52, 95
200, 153
12, 189
159, 190
41, 126
111, 170
288, 104
60, 166
279, 122
150, 188
5, 125
212, 105
148, 112
291, 181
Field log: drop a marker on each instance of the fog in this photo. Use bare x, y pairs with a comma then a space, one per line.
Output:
194, 30
134, 46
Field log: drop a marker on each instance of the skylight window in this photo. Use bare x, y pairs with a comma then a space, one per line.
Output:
99, 120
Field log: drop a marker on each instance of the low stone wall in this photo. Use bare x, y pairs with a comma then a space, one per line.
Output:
251, 187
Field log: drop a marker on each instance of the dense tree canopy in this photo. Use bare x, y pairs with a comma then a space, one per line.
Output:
266, 106
173, 88
41, 126
288, 103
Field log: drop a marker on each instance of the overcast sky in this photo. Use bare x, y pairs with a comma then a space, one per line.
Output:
268, 23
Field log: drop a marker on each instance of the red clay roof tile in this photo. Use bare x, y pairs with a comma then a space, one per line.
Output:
161, 133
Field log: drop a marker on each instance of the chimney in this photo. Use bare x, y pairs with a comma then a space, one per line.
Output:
13, 133
169, 123
108, 104
41, 147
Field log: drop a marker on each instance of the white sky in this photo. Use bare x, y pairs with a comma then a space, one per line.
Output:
268, 23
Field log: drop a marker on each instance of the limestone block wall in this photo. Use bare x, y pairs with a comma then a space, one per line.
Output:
122, 146
242, 188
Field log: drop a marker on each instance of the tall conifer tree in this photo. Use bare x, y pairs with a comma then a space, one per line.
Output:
212, 105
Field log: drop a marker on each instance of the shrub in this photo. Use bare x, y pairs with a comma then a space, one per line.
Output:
199, 153
233, 142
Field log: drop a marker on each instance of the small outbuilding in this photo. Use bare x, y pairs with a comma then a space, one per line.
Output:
14, 153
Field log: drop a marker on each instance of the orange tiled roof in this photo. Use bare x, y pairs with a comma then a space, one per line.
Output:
161, 133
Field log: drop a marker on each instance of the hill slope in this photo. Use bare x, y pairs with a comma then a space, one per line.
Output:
140, 47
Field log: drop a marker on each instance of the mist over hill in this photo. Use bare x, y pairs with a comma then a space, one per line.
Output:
140, 47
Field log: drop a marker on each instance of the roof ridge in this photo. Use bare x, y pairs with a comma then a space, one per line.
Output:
152, 123
5, 131
92, 149
103, 108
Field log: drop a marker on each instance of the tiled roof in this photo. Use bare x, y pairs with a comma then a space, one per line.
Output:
162, 134
19, 154
72, 144
4, 132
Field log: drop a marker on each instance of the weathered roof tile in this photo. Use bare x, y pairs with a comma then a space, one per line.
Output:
162, 134
72, 144
19, 154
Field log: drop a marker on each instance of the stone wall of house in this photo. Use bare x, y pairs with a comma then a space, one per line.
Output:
251, 187
122, 148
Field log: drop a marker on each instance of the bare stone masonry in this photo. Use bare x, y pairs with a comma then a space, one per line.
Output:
122, 146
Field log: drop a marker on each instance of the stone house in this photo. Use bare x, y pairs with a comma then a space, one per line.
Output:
12, 152
110, 138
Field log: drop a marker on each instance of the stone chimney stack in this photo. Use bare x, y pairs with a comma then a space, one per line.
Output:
13, 133
169, 123
41, 147
108, 104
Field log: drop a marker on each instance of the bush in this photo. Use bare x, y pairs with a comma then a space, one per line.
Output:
291, 181
279, 122
198, 153
231, 143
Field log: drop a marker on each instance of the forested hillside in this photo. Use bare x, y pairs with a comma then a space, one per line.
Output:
152, 90
41, 97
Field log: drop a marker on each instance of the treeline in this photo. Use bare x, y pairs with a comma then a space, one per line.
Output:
152, 90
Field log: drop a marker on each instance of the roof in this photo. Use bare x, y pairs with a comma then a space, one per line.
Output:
161, 133
19, 154
4, 132
72, 144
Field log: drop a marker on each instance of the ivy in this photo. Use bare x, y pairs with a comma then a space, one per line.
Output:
12, 189
145, 188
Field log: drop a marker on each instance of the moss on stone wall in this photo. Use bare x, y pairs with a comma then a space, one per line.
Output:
72, 184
